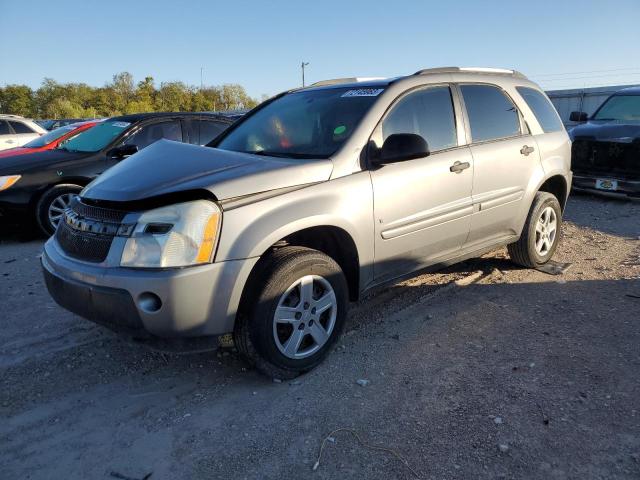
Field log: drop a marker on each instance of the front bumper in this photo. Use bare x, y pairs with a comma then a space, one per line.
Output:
625, 188
187, 302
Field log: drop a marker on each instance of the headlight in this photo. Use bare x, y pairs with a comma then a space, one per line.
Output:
8, 181
174, 236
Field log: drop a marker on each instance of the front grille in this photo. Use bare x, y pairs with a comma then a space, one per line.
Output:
98, 213
610, 158
86, 232
85, 246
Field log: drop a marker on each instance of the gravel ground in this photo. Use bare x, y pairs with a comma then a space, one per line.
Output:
519, 374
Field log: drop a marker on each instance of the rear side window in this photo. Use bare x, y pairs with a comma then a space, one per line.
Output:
20, 127
428, 113
203, 131
492, 115
154, 132
542, 108
4, 128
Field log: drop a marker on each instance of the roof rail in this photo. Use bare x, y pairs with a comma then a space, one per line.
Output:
493, 71
11, 115
337, 81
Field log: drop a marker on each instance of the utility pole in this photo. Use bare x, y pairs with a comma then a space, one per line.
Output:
201, 69
302, 65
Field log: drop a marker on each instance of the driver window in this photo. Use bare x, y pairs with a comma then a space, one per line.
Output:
427, 112
154, 132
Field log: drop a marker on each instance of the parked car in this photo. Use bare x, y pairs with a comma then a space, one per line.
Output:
39, 186
54, 124
606, 148
312, 199
50, 140
16, 131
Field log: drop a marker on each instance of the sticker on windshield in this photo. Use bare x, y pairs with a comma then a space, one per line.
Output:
339, 130
363, 92
121, 124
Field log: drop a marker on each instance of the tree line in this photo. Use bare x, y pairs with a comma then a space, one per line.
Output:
120, 96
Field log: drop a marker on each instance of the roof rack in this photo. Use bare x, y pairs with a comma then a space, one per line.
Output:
337, 81
10, 115
493, 71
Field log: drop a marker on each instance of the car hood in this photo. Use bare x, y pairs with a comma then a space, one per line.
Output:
24, 163
607, 131
167, 167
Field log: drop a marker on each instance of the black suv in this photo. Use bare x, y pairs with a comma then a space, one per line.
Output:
40, 185
605, 155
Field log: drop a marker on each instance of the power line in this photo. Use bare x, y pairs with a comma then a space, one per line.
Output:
581, 73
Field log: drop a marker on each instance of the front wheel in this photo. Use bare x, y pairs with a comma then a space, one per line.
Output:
293, 312
52, 204
541, 232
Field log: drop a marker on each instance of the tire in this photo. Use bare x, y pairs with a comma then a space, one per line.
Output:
527, 250
286, 348
54, 198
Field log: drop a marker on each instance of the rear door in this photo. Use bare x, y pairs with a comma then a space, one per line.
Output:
23, 133
422, 208
505, 160
204, 130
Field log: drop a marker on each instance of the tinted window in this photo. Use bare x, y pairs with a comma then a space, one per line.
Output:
491, 114
154, 132
203, 131
542, 108
306, 124
20, 127
4, 128
428, 113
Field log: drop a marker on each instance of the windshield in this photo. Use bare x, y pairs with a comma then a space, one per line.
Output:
305, 124
96, 138
620, 107
49, 137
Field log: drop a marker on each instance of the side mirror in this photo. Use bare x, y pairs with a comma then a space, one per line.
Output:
123, 151
578, 117
402, 146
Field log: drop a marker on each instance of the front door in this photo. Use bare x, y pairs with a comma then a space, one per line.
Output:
422, 207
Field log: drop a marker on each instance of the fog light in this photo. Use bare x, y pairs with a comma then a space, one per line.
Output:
149, 302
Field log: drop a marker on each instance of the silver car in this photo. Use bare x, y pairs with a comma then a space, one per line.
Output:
313, 198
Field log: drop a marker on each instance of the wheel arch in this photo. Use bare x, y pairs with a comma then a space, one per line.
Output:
557, 186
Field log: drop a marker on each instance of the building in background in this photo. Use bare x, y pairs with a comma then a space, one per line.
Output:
580, 100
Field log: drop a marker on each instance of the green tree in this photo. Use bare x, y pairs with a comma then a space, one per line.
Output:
17, 100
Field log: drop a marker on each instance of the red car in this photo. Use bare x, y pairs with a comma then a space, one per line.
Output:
50, 140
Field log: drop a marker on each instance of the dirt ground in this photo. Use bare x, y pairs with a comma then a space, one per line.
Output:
518, 375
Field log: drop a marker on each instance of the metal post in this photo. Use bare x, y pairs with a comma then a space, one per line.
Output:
302, 65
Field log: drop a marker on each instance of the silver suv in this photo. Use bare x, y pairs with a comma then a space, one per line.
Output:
313, 198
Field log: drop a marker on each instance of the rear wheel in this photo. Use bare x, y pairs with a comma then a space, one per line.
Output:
541, 232
293, 312
52, 204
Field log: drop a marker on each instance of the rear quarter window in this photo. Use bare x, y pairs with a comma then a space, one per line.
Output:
542, 108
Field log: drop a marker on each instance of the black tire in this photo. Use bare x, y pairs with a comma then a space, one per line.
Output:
42, 208
523, 252
254, 332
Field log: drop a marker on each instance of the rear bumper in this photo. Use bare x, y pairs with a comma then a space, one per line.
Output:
171, 303
625, 188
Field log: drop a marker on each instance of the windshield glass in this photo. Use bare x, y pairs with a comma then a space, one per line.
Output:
305, 124
96, 138
49, 137
620, 107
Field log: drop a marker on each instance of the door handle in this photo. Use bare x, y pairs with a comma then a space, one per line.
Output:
526, 150
11, 141
458, 167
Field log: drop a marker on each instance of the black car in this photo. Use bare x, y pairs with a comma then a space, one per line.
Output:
39, 186
605, 155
